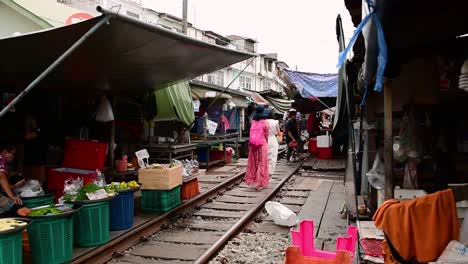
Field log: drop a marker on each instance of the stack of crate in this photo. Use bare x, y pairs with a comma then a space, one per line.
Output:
160, 188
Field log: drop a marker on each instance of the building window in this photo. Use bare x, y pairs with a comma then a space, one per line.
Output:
245, 82
267, 85
133, 14
216, 78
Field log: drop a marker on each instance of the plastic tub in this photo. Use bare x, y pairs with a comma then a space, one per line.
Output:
91, 223
11, 244
121, 210
160, 201
51, 237
33, 202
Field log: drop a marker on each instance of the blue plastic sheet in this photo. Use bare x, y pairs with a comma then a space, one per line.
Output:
311, 85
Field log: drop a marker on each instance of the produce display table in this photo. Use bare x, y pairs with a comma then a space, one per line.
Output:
205, 147
166, 152
241, 146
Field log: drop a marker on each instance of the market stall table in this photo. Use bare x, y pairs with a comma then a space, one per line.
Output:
241, 147
166, 152
205, 147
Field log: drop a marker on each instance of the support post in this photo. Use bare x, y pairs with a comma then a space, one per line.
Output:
52, 67
388, 140
112, 137
184, 16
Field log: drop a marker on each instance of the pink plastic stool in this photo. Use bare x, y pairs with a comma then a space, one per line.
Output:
304, 239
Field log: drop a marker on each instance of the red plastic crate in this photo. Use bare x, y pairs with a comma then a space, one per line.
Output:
313, 146
325, 153
190, 189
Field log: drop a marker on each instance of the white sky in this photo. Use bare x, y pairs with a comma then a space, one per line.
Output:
302, 32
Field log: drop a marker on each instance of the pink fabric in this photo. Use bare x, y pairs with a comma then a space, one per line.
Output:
257, 164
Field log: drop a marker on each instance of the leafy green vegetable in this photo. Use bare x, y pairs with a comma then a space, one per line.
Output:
45, 211
88, 188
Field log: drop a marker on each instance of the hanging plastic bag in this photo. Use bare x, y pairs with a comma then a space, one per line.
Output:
100, 179
71, 189
376, 175
281, 215
104, 111
410, 180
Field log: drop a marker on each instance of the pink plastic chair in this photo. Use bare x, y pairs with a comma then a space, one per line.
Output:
304, 239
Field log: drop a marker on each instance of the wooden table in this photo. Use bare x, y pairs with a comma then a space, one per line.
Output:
166, 152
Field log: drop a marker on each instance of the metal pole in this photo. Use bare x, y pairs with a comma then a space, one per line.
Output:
184, 16
53, 65
388, 140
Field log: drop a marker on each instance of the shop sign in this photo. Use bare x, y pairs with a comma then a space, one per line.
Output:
78, 17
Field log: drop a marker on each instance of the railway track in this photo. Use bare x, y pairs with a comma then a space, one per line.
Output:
198, 229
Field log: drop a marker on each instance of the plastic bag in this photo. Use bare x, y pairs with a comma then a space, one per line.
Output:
104, 111
71, 188
376, 175
31, 188
281, 215
100, 179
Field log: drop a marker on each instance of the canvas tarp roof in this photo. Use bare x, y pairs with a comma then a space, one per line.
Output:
280, 106
126, 56
312, 85
175, 103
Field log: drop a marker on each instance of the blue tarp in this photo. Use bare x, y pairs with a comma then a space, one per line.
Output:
311, 85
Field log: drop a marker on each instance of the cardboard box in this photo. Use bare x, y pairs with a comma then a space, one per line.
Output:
160, 178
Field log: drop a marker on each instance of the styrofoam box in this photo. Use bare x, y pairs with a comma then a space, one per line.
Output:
406, 194
323, 142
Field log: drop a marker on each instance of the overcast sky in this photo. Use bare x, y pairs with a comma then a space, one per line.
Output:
302, 32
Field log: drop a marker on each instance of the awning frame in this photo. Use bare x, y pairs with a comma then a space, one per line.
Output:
58, 61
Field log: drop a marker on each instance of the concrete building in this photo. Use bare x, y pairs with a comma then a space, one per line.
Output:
18, 20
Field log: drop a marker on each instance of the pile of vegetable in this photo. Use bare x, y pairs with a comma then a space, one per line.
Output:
121, 186
88, 188
7, 224
50, 210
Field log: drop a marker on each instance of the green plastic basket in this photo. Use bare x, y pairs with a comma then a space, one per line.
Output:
11, 248
160, 201
51, 240
91, 224
34, 202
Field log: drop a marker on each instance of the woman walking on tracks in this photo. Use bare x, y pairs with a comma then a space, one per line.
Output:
273, 132
257, 164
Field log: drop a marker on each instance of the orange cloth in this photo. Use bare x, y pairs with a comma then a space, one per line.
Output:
420, 228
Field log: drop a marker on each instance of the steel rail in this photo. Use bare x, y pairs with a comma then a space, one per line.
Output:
127, 240
237, 227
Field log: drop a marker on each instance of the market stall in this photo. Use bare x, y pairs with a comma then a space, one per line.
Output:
91, 66
220, 125
408, 143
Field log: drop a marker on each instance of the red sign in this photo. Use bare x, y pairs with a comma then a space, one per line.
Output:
78, 17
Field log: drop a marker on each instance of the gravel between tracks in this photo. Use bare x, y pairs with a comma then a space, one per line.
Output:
254, 248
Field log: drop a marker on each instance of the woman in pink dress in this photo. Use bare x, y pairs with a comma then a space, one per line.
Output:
257, 164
